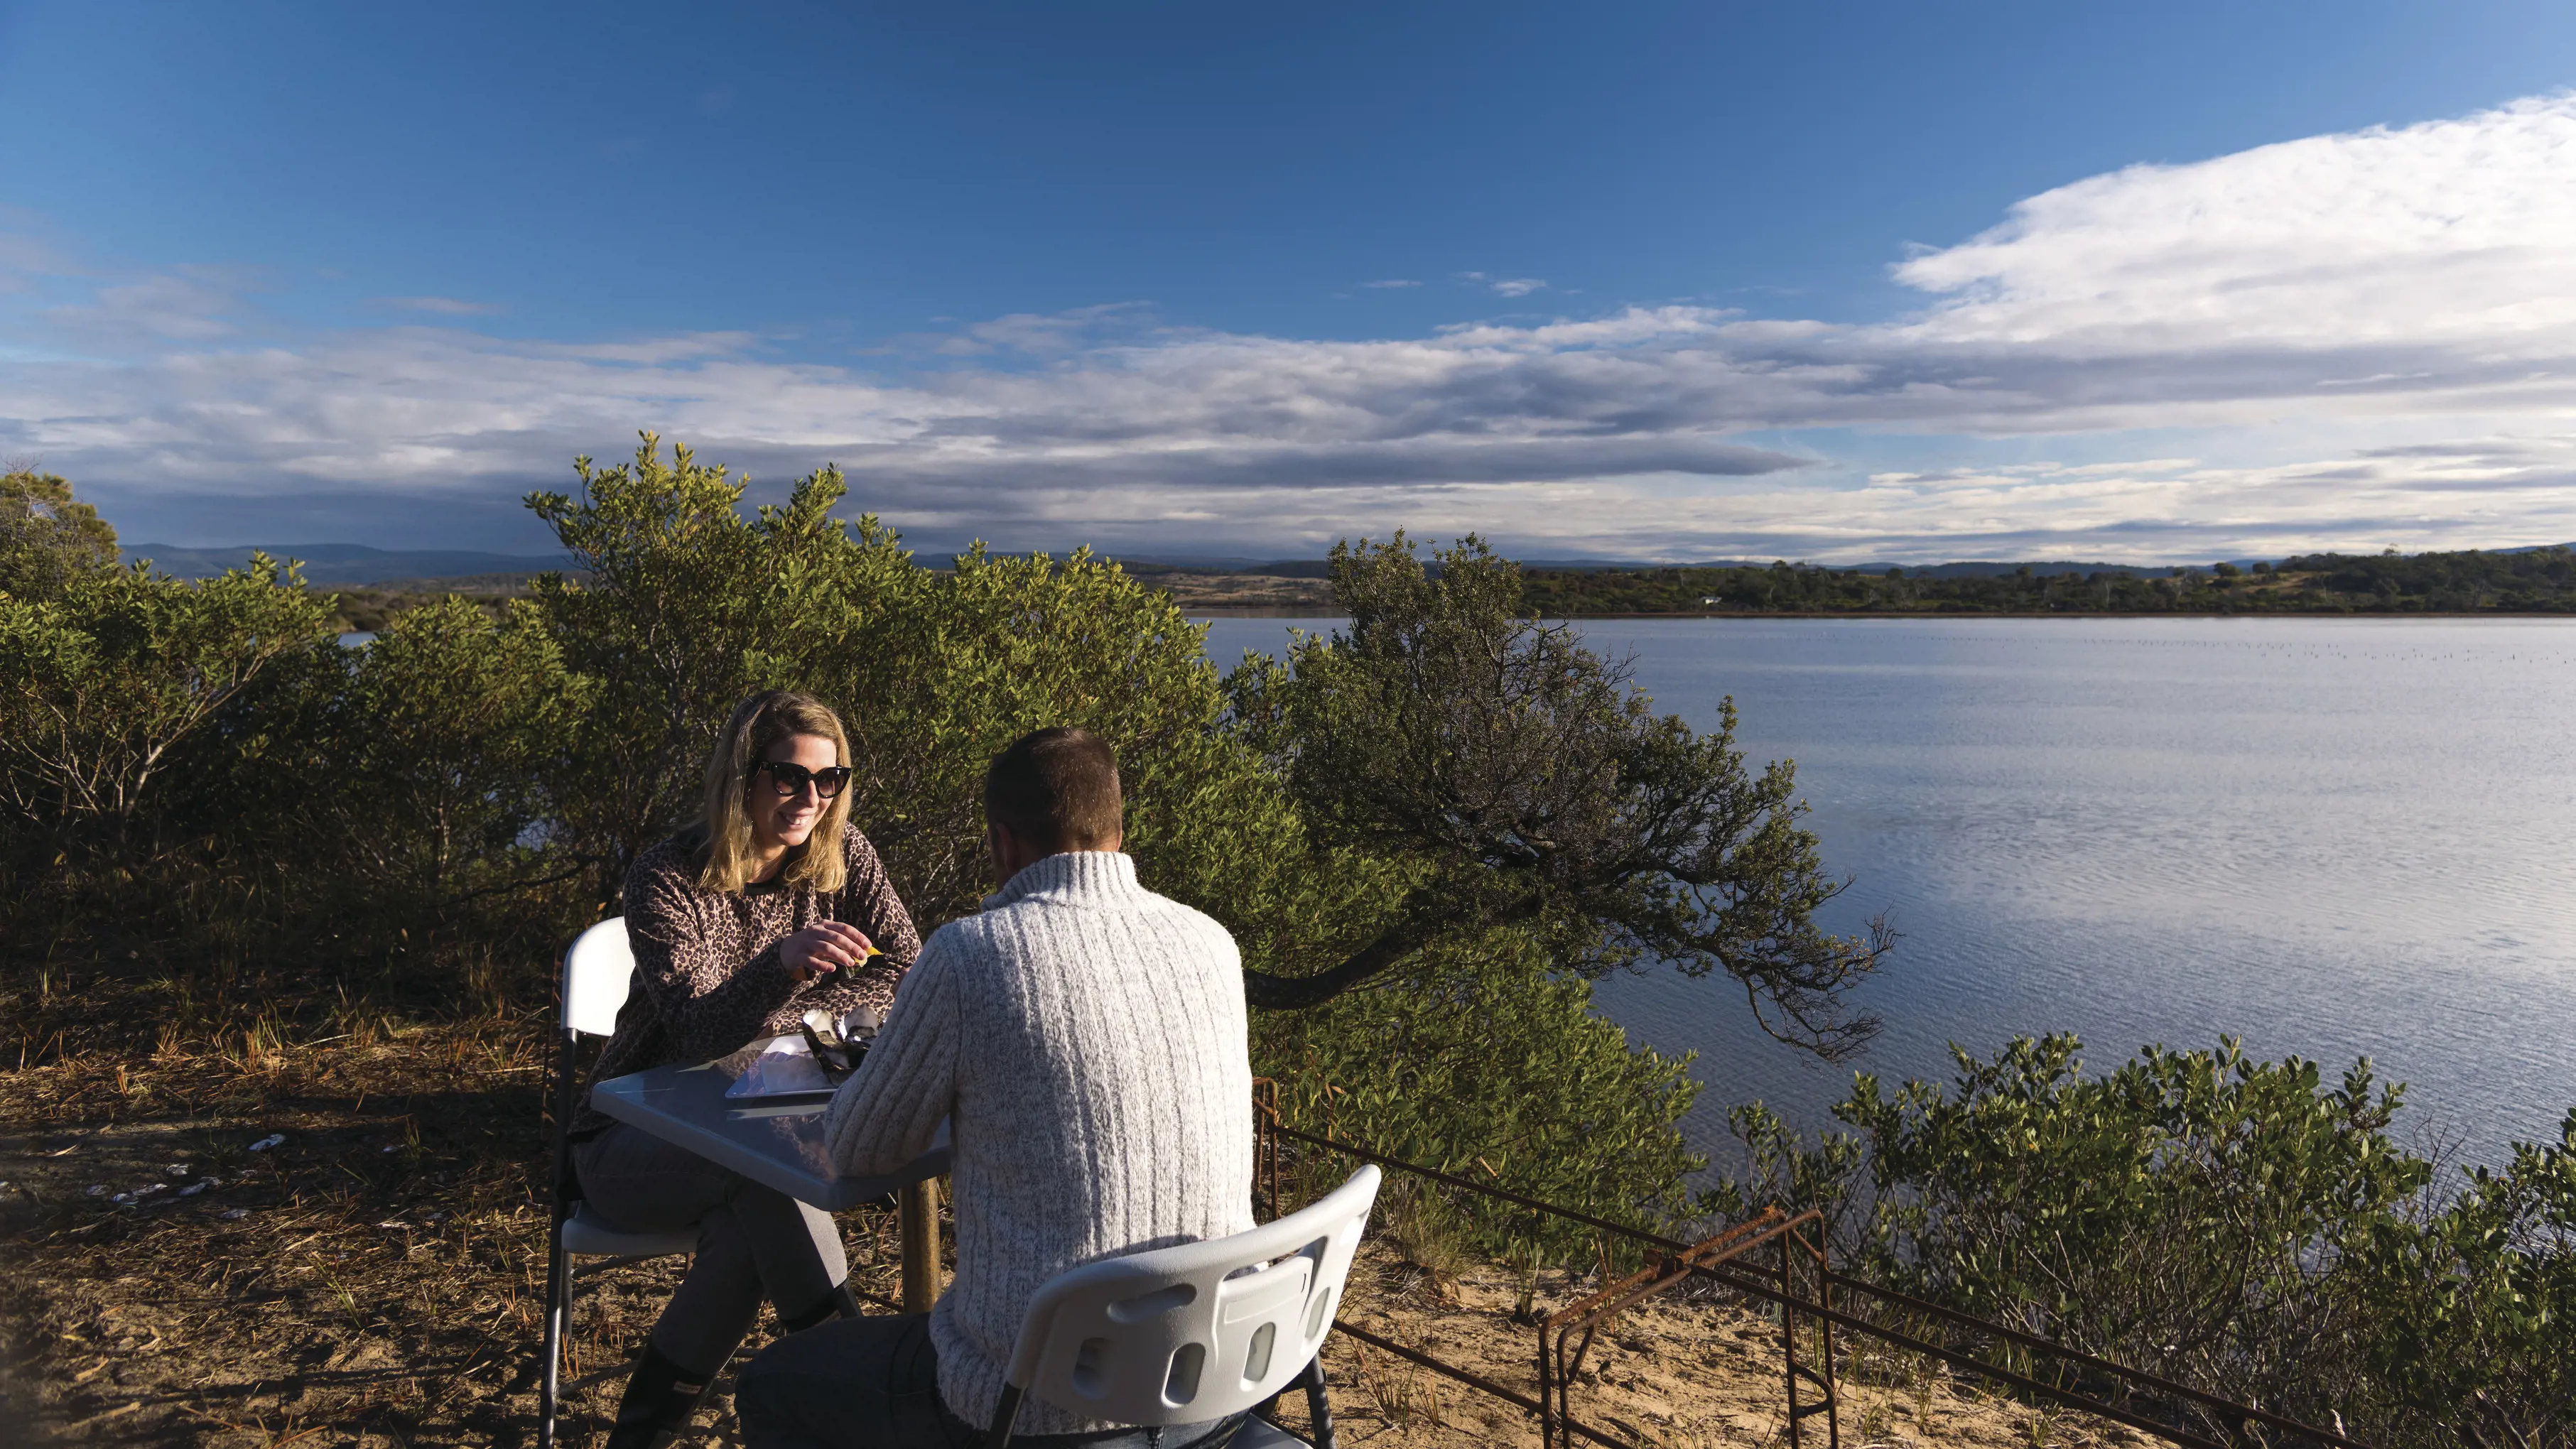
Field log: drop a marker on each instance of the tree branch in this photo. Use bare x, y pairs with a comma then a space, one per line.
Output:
1296, 993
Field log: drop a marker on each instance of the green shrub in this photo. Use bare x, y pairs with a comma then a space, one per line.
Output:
681, 607
430, 782
1483, 1063
48, 538
2475, 1307
2239, 1226
102, 684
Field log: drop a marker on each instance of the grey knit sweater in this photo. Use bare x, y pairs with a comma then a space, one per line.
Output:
1085, 1037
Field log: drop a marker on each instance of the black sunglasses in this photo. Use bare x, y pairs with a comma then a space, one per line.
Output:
788, 778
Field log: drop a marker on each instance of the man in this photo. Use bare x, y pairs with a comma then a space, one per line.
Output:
1084, 1037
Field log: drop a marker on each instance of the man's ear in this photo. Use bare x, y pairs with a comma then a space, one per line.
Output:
1008, 850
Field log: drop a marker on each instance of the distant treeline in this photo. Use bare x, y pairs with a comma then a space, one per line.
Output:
372, 608
2529, 581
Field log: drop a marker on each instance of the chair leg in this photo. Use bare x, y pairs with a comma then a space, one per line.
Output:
998, 1436
1319, 1404
558, 1308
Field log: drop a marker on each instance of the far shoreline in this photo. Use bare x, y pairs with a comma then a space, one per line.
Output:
1857, 615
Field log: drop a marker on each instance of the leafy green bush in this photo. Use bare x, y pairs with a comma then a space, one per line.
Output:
430, 779
686, 606
1486, 817
1484, 1063
48, 538
2239, 1226
105, 681
2475, 1321
681, 608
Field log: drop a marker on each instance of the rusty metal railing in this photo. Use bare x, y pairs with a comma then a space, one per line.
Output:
1725, 1261
1800, 1238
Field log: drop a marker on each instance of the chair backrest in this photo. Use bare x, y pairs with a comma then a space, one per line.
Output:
596, 972
1185, 1334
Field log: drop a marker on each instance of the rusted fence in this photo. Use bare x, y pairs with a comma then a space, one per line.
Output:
1799, 1240
1785, 1261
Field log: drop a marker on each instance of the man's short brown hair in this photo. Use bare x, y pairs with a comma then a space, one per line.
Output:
1056, 788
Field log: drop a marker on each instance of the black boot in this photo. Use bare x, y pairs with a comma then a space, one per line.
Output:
659, 1401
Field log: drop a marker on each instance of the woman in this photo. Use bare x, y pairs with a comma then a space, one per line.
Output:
766, 909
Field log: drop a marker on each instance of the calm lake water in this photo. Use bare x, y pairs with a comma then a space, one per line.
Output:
2332, 838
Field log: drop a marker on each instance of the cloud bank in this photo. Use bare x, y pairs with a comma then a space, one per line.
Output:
2344, 340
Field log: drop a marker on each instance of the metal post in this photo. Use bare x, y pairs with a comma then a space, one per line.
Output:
1789, 1331
917, 1214
558, 1296
1546, 1392
1824, 1266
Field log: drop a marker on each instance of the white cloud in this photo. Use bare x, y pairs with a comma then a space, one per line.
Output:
2444, 232
1391, 282
2361, 338
185, 303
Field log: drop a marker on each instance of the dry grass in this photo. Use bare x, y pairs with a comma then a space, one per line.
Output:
373, 1279
1670, 1375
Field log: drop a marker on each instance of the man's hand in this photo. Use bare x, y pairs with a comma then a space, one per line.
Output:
822, 948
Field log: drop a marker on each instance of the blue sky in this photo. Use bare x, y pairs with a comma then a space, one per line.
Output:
1832, 281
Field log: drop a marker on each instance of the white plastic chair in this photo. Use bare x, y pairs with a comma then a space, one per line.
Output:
597, 970
1201, 1331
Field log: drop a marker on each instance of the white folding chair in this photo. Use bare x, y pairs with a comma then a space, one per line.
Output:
597, 970
1187, 1334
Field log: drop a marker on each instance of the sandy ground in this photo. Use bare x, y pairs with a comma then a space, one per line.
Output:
374, 1277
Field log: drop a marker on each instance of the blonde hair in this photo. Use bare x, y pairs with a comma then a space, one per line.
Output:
759, 722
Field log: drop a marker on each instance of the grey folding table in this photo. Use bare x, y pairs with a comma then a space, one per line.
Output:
780, 1145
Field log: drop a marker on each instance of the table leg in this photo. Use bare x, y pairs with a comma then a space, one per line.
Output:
917, 1215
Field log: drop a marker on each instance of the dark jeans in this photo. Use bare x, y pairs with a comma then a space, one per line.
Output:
752, 1241
873, 1383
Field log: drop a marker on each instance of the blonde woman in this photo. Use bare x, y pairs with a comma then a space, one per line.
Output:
771, 906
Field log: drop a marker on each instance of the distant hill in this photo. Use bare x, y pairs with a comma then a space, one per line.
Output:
1975, 570
1317, 568
2517, 581
346, 563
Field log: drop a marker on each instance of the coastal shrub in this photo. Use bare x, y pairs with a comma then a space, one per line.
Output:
48, 538
430, 778
1513, 779
679, 607
2195, 1214
684, 605
101, 687
936, 681
1497, 818
1482, 1062
2248, 1228
2473, 1328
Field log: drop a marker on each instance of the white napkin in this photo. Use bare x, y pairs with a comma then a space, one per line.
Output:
785, 1065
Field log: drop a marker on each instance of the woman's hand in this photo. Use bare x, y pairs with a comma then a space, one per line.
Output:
822, 948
